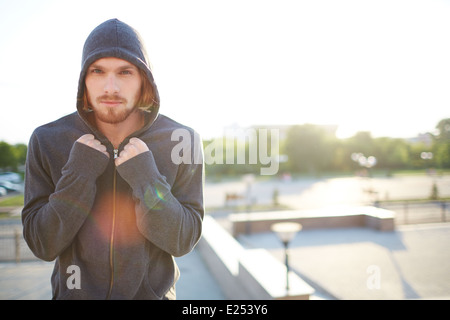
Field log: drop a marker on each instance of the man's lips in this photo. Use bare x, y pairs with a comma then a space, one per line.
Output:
111, 102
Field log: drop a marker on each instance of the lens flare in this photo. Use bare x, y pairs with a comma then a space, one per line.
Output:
154, 198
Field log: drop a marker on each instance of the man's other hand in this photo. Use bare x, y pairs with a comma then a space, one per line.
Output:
89, 140
133, 148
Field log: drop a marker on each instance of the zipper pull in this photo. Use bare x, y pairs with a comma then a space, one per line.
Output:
116, 153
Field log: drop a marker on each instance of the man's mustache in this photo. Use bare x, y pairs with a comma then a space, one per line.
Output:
112, 98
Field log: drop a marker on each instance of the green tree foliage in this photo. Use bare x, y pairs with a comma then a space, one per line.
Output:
309, 148
391, 153
12, 156
443, 128
441, 147
442, 154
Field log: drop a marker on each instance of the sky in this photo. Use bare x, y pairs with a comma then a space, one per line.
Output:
381, 66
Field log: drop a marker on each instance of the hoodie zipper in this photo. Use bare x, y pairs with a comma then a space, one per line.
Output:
113, 225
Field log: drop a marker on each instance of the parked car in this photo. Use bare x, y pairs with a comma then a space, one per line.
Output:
10, 187
10, 177
10, 182
3, 192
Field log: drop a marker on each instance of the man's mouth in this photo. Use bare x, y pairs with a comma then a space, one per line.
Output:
110, 103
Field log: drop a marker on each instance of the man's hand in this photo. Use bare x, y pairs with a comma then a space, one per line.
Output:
134, 147
89, 140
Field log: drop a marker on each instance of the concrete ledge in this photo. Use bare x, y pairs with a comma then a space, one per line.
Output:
333, 217
221, 253
246, 274
266, 278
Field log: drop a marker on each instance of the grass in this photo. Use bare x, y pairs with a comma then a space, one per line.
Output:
13, 201
8, 202
4, 215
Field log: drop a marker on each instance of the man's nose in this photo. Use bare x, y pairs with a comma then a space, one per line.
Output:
111, 85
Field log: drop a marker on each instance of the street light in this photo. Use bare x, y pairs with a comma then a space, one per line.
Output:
426, 155
368, 163
363, 161
286, 231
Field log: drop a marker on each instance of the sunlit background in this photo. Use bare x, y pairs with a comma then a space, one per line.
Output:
368, 71
378, 66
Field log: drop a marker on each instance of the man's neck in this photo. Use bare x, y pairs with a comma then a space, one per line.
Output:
116, 133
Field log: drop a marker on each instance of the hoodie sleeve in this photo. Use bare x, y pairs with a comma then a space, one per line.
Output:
52, 215
169, 217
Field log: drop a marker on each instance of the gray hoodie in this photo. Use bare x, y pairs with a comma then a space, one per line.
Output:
113, 230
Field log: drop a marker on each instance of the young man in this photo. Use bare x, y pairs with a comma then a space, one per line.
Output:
103, 195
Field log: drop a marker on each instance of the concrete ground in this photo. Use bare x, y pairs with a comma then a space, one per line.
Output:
411, 262
31, 280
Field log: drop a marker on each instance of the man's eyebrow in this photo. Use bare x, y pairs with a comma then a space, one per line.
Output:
95, 66
128, 66
123, 67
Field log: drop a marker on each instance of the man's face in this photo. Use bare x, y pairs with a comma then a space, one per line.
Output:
113, 88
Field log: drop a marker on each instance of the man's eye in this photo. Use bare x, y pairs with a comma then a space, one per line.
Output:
97, 71
125, 72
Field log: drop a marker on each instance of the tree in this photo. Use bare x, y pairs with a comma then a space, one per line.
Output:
308, 148
362, 142
444, 130
7, 157
441, 147
391, 153
11, 157
442, 154
20, 152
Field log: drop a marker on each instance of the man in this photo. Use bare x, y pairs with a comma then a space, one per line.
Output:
103, 195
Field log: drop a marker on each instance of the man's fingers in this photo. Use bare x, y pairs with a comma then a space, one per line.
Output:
139, 144
133, 148
85, 138
89, 140
102, 148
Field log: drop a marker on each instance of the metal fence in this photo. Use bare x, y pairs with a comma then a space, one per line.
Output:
414, 212
14, 248
12, 244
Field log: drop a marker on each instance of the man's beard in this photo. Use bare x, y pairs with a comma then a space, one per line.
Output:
113, 115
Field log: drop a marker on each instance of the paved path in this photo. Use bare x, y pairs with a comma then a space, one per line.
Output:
308, 193
31, 280
358, 263
25, 281
409, 263
412, 262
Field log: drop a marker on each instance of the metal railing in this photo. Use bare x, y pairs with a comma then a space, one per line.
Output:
14, 248
12, 244
414, 212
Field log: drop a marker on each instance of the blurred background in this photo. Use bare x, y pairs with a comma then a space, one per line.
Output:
357, 91
377, 66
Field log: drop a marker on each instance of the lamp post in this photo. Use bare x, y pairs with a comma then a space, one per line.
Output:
286, 231
368, 163
427, 157
363, 161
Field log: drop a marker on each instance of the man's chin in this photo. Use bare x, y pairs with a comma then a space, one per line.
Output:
113, 117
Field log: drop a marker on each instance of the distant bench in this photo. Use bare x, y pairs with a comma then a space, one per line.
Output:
332, 217
245, 274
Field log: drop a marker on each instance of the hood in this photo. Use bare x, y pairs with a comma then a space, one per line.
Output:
114, 38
